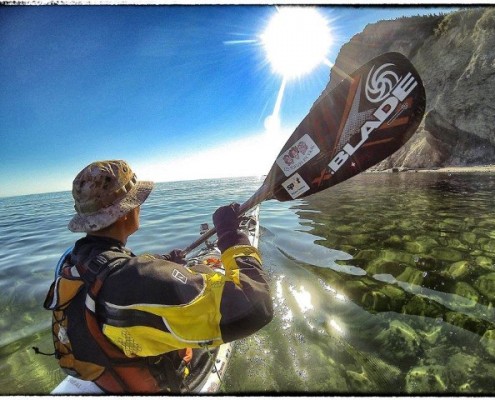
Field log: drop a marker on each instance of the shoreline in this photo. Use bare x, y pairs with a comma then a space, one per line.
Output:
453, 169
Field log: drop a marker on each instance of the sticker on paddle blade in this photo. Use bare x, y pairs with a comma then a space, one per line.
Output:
297, 155
295, 186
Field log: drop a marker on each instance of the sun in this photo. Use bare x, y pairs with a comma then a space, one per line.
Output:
296, 40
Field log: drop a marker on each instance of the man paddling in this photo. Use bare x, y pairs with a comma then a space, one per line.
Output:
129, 322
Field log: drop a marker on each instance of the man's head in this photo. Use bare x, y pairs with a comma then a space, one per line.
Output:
103, 192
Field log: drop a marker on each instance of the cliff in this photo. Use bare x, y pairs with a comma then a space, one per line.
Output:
455, 56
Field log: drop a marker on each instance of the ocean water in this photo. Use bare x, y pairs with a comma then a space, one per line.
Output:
382, 284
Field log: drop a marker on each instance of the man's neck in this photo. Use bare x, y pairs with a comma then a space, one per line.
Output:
115, 231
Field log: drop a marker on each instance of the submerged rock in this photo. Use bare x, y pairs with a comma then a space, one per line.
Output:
459, 269
461, 369
426, 263
486, 285
400, 342
488, 342
356, 289
469, 294
411, 275
420, 305
397, 256
446, 254
379, 266
488, 245
466, 322
359, 382
387, 298
426, 379
468, 237
432, 335
486, 263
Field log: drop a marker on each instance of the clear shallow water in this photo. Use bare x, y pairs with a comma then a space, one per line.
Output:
382, 284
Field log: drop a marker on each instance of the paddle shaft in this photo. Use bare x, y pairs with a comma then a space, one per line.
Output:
262, 194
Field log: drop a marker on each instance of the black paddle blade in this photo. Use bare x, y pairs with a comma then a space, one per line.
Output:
359, 123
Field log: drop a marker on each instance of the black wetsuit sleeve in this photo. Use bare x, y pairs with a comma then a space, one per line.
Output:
247, 304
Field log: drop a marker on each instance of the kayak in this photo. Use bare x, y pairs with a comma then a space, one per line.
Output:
208, 366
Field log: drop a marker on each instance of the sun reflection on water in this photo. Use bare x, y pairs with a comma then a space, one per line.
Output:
303, 298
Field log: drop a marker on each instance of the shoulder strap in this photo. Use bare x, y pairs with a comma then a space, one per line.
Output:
97, 268
94, 272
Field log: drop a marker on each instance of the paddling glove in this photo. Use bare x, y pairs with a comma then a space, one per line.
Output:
226, 222
176, 256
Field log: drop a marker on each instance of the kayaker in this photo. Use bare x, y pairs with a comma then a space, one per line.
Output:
129, 322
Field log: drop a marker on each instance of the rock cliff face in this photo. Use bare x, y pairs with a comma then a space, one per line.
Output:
455, 56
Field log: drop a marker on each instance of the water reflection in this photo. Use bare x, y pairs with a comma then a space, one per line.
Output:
302, 297
445, 246
427, 249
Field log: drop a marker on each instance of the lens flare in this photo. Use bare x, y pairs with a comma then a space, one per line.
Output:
296, 40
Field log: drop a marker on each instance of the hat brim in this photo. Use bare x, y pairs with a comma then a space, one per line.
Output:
108, 215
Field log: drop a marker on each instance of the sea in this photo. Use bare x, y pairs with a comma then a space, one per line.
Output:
383, 284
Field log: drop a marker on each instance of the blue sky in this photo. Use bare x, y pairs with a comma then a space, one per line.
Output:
181, 92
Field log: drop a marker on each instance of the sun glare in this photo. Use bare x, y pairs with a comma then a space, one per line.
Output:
296, 40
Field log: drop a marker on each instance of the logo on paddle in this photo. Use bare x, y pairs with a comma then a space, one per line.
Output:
382, 85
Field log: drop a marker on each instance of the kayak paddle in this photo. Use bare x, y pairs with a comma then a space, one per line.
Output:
363, 120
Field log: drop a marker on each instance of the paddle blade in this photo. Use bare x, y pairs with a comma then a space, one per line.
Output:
362, 121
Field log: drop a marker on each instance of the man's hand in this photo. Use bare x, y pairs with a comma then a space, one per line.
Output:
226, 219
176, 256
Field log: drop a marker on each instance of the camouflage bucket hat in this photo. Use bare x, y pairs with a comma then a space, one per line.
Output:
103, 192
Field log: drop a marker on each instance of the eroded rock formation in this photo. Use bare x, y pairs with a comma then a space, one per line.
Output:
455, 56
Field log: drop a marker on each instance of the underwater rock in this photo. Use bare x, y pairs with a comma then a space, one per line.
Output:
426, 263
432, 335
488, 245
396, 295
446, 254
461, 368
465, 388
469, 294
394, 241
411, 275
484, 377
468, 237
426, 379
367, 254
485, 263
466, 322
397, 256
360, 239
359, 382
376, 301
488, 342
457, 244
344, 228
427, 241
486, 285
356, 289
458, 270
379, 266
346, 248
414, 248
387, 298
406, 224
400, 341
420, 305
